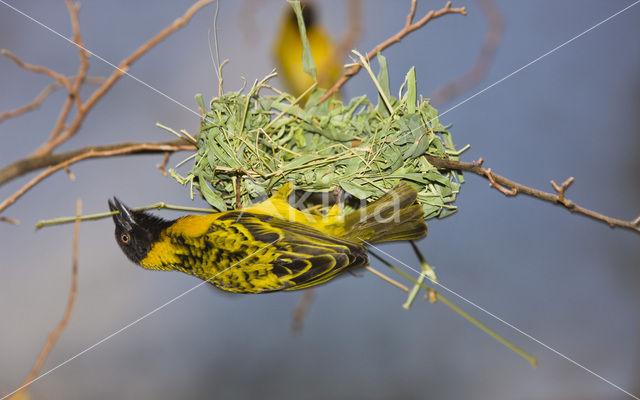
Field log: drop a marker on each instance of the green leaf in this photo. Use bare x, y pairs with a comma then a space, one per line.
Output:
299, 161
410, 96
308, 65
355, 190
447, 211
211, 197
200, 102
383, 80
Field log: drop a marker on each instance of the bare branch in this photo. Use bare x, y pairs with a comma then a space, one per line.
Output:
163, 165
514, 188
83, 154
301, 310
38, 69
493, 183
561, 189
59, 136
408, 28
42, 96
387, 278
84, 54
33, 105
30, 164
8, 220
53, 337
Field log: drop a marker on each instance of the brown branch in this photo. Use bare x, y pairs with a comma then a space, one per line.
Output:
8, 220
409, 27
34, 104
431, 296
515, 188
83, 53
495, 26
163, 165
126, 63
387, 278
237, 180
493, 183
301, 310
60, 134
59, 126
53, 336
38, 69
42, 96
30, 164
42, 156
61, 161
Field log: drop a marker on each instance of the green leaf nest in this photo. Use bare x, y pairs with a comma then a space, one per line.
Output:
251, 144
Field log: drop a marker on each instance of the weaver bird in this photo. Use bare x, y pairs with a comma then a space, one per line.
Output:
269, 246
287, 50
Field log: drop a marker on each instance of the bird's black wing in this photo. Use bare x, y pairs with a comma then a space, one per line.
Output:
305, 256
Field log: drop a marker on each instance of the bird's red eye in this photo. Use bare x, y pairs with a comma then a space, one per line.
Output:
125, 238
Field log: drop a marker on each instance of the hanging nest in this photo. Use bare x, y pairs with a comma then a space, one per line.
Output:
251, 144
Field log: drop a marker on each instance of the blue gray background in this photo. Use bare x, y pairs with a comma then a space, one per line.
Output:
568, 281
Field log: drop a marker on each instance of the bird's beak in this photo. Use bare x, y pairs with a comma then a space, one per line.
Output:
124, 218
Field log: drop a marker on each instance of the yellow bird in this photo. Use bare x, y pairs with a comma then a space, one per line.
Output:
287, 50
269, 246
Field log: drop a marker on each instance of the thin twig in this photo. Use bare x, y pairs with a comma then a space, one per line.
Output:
38, 69
53, 336
37, 101
387, 278
561, 189
493, 183
70, 174
31, 164
92, 153
74, 91
34, 104
238, 187
59, 136
163, 165
495, 26
517, 188
301, 310
8, 220
409, 27
83, 53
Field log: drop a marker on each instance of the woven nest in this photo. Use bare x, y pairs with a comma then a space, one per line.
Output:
251, 144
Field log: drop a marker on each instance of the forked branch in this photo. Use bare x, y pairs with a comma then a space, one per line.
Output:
511, 188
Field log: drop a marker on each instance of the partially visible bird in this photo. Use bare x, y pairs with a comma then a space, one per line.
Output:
287, 51
269, 246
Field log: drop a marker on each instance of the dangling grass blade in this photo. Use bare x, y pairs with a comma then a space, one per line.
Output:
427, 272
532, 360
308, 65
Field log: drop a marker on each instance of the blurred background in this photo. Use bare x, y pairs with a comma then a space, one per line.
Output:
566, 280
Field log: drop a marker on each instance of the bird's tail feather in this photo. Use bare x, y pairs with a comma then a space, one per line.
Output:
393, 216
